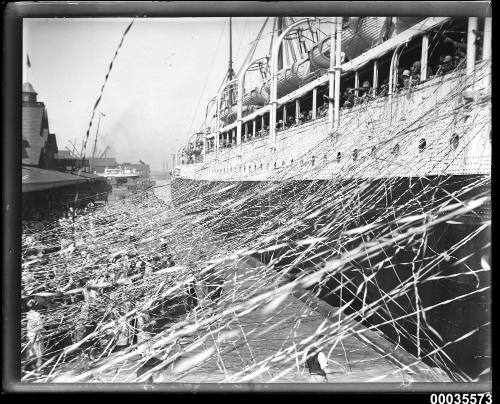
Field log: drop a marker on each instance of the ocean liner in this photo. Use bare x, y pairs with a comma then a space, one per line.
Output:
370, 146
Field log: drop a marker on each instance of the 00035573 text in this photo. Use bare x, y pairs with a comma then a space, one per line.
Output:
461, 398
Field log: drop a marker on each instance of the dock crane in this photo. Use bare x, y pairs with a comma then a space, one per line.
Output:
74, 148
104, 152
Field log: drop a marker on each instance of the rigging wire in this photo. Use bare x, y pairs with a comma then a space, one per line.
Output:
207, 77
254, 46
245, 26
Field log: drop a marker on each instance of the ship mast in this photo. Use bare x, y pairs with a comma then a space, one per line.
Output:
230, 71
280, 52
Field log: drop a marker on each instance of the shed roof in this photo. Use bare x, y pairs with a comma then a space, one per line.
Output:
37, 179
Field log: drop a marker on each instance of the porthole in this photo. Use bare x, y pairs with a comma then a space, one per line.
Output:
339, 157
261, 166
422, 144
275, 164
255, 166
355, 154
374, 149
454, 141
395, 149
291, 161
313, 159
325, 157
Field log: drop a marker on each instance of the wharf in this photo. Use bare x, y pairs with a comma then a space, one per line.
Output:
258, 346
274, 335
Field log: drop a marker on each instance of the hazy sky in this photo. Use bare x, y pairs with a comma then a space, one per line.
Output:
164, 75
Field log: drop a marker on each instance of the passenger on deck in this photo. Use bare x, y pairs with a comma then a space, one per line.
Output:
309, 116
405, 80
415, 71
364, 92
445, 66
384, 88
349, 98
323, 110
479, 44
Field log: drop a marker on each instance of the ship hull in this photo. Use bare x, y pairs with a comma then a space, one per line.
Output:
468, 308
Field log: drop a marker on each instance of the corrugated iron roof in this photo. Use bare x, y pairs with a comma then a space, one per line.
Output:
37, 179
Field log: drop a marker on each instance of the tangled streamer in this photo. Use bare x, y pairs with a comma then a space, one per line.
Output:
226, 284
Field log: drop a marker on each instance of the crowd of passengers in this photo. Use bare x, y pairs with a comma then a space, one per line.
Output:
407, 78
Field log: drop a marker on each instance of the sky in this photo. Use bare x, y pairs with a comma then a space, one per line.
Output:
162, 79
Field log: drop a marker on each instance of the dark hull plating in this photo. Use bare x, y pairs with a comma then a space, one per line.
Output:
452, 320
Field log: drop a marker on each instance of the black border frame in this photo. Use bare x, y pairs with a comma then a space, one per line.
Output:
11, 153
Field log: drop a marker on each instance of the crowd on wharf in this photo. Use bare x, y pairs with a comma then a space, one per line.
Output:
92, 267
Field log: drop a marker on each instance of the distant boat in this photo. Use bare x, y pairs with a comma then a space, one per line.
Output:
125, 180
120, 172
